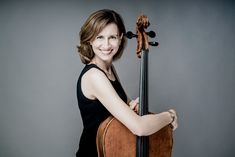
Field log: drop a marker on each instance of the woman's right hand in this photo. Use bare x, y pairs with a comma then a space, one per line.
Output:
174, 122
134, 105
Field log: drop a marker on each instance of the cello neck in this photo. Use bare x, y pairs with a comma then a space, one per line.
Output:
143, 85
142, 141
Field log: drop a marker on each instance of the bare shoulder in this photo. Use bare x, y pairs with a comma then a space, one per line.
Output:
94, 74
94, 81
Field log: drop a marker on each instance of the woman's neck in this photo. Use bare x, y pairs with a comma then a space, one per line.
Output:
105, 66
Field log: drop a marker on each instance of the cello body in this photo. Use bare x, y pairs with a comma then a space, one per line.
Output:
116, 140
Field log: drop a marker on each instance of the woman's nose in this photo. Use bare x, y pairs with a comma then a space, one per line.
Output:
106, 44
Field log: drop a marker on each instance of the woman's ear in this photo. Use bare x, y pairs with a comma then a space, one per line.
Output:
120, 39
121, 36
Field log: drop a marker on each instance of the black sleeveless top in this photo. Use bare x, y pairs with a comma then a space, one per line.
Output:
92, 113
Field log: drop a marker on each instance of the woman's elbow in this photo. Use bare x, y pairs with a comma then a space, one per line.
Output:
138, 130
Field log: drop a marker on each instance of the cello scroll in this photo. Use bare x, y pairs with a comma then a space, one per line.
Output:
142, 37
142, 23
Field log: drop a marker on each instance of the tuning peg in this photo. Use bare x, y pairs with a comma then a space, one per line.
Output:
130, 35
151, 34
153, 43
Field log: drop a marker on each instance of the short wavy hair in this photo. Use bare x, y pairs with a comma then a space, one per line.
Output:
95, 23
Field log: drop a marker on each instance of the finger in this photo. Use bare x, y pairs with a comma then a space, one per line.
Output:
132, 106
136, 100
175, 124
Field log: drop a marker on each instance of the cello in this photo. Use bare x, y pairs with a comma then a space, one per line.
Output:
113, 138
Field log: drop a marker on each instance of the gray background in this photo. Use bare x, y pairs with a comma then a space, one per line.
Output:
192, 70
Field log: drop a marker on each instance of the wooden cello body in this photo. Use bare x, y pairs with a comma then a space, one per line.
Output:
114, 139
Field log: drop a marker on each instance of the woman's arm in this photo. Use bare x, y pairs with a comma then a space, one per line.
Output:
95, 85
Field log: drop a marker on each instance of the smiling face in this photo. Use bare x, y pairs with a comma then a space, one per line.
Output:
106, 44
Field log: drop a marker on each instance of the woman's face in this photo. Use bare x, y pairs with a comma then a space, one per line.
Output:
106, 43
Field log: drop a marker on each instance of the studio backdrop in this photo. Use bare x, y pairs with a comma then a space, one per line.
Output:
192, 70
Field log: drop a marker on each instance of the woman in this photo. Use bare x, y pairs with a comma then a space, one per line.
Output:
99, 91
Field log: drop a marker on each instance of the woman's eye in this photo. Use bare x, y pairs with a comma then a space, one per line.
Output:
99, 37
113, 37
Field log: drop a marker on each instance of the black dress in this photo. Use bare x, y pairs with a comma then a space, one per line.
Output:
92, 113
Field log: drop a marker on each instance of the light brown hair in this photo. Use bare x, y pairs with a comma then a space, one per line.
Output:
93, 26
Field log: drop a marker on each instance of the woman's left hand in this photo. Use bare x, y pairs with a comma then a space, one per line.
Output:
134, 104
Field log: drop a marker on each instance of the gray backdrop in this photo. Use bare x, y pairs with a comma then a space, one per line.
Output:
192, 70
